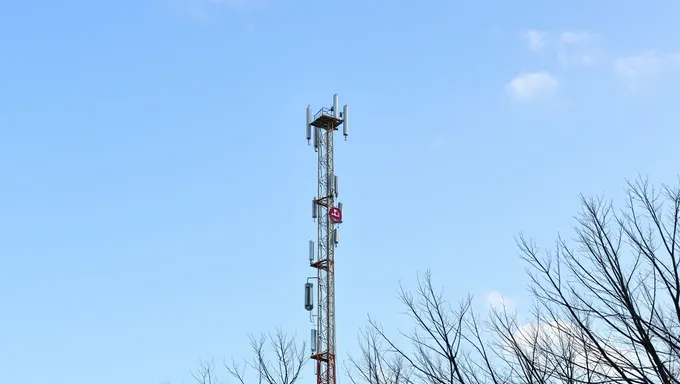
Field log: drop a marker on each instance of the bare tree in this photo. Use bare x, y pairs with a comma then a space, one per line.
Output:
543, 350
376, 364
447, 343
284, 368
287, 365
451, 345
607, 309
206, 373
522, 349
617, 288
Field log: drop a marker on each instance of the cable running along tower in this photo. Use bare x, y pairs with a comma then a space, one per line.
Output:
328, 215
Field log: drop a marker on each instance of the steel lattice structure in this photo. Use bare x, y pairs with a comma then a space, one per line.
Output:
328, 216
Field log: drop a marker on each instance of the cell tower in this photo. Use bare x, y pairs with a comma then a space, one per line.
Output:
328, 215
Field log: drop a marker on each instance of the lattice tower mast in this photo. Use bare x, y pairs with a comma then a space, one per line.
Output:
328, 215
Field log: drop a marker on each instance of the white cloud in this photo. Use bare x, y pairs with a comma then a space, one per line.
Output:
562, 338
644, 64
573, 49
440, 141
576, 60
675, 58
639, 72
233, 3
532, 86
571, 37
578, 49
535, 39
497, 300
585, 49
570, 48
207, 10
538, 40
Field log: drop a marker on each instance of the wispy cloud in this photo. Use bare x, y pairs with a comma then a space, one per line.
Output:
643, 64
535, 39
578, 49
571, 37
206, 10
497, 300
570, 48
584, 48
675, 59
232, 3
646, 64
532, 86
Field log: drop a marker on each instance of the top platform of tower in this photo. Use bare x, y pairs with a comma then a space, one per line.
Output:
324, 119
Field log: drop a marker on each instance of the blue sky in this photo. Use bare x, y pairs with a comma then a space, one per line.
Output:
154, 205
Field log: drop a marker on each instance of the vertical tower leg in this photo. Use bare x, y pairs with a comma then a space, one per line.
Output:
325, 264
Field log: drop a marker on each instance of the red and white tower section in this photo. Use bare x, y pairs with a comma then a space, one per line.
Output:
328, 215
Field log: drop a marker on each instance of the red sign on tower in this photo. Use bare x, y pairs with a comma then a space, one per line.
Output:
335, 214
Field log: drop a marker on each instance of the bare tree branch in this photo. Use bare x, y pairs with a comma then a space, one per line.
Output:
284, 368
376, 364
446, 343
618, 287
607, 309
289, 360
205, 374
